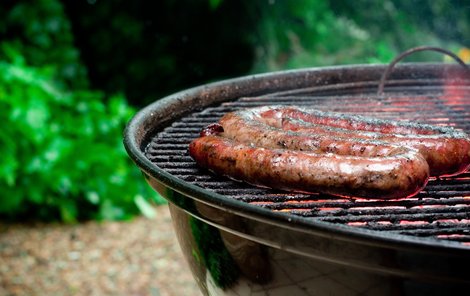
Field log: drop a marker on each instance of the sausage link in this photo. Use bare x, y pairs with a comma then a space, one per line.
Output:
447, 154
446, 150
256, 133
352, 122
398, 175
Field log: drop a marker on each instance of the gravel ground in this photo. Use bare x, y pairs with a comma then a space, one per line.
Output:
140, 257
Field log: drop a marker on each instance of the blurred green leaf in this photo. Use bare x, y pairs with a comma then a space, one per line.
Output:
145, 207
214, 4
10, 200
62, 142
110, 211
68, 210
93, 197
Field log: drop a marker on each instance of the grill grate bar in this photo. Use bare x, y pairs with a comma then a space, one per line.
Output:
412, 216
422, 227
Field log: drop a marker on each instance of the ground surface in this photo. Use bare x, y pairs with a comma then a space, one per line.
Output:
141, 257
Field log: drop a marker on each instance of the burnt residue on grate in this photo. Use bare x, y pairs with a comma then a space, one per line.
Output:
441, 210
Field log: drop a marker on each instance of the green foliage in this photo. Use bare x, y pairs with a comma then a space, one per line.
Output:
303, 33
149, 49
42, 33
213, 4
63, 151
61, 143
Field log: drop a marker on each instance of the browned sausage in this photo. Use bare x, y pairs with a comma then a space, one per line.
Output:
401, 174
349, 121
447, 154
257, 133
446, 150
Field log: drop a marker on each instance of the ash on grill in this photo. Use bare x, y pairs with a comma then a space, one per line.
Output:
440, 211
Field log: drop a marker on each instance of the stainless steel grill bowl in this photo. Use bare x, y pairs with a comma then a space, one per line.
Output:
244, 240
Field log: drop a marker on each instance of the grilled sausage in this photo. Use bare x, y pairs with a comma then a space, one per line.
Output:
257, 133
400, 174
446, 150
275, 114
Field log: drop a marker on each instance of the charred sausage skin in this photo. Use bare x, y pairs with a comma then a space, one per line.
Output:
295, 149
447, 154
253, 132
350, 122
446, 150
402, 173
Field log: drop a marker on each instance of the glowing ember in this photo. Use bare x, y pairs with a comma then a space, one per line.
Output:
378, 208
330, 200
329, 209
454, 93
428, 206
447, 236
357, 223
407, 222
261, 203
453, 221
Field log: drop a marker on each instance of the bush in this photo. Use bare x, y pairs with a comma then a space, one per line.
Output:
40, 30
61, 143
149, 49
62, 151
303, 33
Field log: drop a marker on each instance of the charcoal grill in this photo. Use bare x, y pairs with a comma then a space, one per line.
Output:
240, 239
